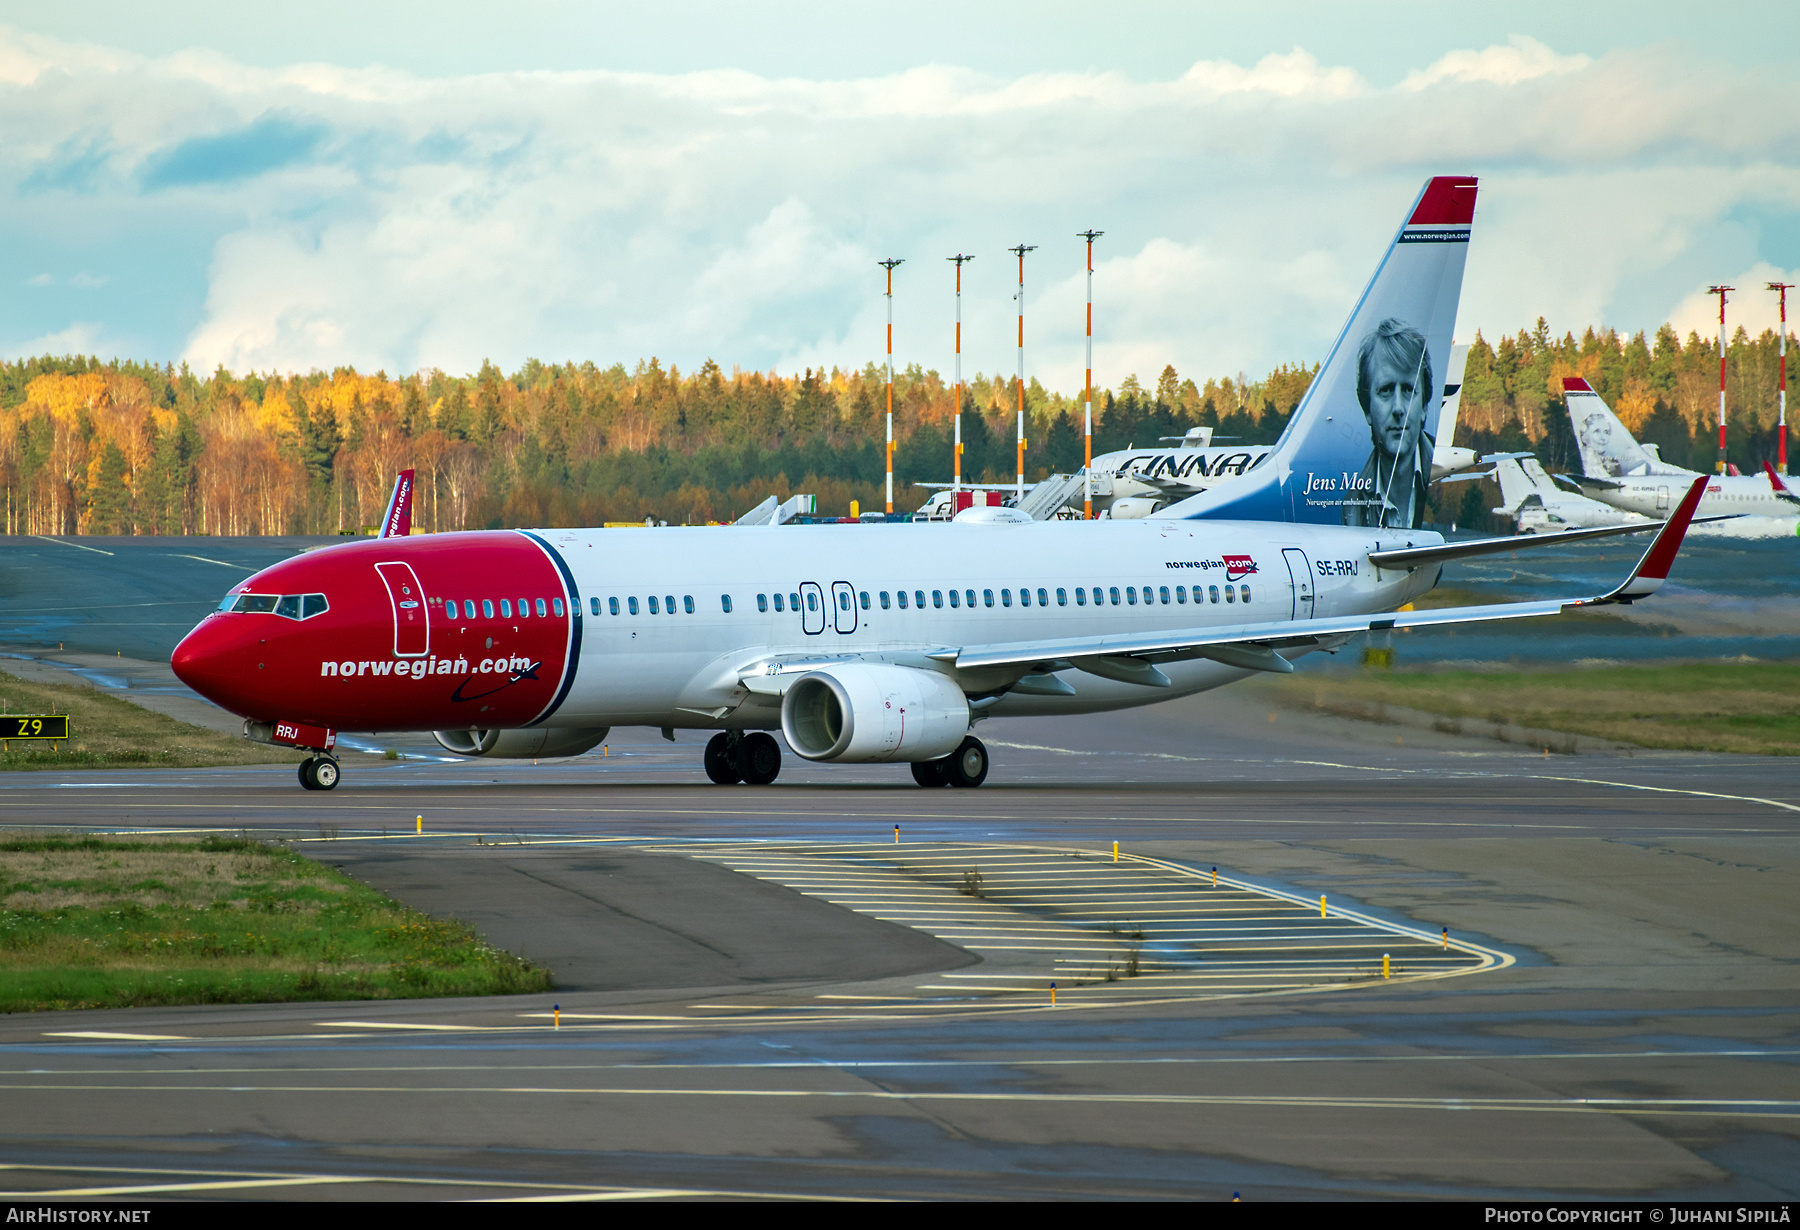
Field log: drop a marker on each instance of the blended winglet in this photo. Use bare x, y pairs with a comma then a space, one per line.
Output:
1653, 569
398, 521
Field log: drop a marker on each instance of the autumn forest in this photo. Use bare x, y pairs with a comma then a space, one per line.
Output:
91, 447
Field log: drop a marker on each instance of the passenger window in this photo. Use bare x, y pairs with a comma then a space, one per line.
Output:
762, 602
524, 608
1181, 594
669, 603
725, 603
1080, 596
1024, 597
1115, 595
843, 600
919, 598
989, 595
487, 608
794, 601
884, 599
594, 606
506, 609
687, 603
612, 604
780, 603
937, 597
1230, 594
631, 605
864, 598
1043, 598
654, 609
1131, 594
314, 604
812, 602
970, 595
542, 613
1005, 598
1164, 595
556, 605
955, 597
1246, 590
1062, 597
1148, 596
289, 606
1213, 592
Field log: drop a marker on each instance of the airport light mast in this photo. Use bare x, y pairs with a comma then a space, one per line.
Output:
1720, 292
889, 265
1782, 288
1087, 414
956, 389
1020, 251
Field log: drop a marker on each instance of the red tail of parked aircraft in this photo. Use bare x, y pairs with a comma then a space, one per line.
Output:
398, 521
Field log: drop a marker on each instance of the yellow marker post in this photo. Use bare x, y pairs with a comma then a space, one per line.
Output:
1053, 995
1321, 906
1115, 851
1215, 877
896, 834
1446, 939
1384, 965
419, 826
555, 1016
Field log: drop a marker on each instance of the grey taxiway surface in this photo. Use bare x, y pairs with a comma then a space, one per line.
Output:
726, 1032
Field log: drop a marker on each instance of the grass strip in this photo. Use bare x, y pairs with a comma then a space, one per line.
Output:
1748, 707
110, 732
102, 922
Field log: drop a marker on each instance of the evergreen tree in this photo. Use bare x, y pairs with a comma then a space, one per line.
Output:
109, 500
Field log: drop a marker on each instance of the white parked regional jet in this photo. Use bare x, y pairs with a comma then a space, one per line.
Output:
1538, 506
887, 643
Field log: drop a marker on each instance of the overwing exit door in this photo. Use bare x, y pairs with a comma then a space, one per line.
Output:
412, 619
812, 608
1300, 573
843, 606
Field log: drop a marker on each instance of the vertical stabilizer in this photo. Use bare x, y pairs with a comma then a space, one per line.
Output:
398, 521
1359, 448
1608, 450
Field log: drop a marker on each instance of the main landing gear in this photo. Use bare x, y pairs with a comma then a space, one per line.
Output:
967, 766
319, 773
733, 756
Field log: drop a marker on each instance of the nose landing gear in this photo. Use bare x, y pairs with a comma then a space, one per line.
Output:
733, 756
319, 773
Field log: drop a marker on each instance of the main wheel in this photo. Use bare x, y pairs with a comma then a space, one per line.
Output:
721, 764
968, 764
307, 782
759, 756
931, 772
325, 773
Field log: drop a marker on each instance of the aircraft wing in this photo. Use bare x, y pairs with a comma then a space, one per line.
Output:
1257, 646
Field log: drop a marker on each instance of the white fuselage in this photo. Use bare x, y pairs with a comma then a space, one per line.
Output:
1653, 495
1032, 583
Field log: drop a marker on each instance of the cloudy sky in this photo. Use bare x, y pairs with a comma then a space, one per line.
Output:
412, 185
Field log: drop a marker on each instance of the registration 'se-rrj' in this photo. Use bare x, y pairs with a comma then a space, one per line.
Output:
888, 643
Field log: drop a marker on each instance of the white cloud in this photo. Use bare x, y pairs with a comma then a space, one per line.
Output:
1523, 59
394, 221
80, 337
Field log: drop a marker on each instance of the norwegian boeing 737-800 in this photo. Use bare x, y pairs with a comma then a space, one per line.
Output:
887, 643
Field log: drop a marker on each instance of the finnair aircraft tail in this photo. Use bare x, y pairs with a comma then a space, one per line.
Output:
1608, 450
1358, 450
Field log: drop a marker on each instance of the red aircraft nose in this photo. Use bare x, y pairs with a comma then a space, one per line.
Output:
218, 660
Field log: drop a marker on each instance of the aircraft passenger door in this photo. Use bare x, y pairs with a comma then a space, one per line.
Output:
412, 622
1300, 572
1662, 499
812, 608
843, 606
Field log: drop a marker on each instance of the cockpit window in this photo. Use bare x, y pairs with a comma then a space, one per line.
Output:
288, 606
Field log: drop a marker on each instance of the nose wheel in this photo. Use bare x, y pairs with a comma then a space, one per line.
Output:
319, 773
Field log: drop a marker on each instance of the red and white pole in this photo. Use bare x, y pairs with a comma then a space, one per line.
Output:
889, 266
1782, 288
1087, 414
956, 390
1021, 250
1720, 292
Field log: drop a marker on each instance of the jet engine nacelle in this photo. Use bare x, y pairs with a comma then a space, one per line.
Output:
521, 744
860, 713
1136, 507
